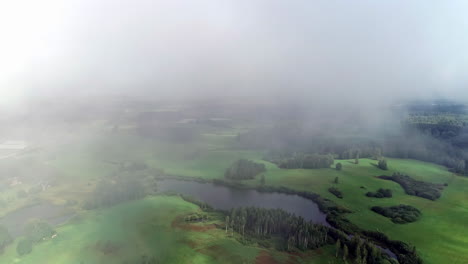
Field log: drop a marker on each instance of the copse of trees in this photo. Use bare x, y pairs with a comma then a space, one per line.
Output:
309, 161
37, 230
382, 164
244, 169
413, 187
380, 193
295, 231
400, 214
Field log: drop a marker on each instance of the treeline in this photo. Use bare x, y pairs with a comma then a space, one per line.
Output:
295, 231
413, 187
405, 253
400, 214
359, 250
244, 169
406, 143
305, 161
380, 193
414, 145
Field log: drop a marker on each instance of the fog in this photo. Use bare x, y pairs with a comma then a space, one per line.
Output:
366, 52
149, 131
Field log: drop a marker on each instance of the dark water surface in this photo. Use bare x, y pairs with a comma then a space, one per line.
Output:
225, 198
53, 214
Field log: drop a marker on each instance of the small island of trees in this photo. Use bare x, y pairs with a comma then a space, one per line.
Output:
380, 193
400, 214
413, 187
244, 170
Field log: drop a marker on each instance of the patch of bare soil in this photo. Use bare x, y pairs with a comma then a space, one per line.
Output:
181, 224
265, 258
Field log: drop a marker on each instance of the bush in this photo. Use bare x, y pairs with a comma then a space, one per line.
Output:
336, 192
400, 214
381, 193
383, 164
338, 166
24, 247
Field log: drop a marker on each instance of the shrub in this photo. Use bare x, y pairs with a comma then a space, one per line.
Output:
383, 164
381, 193
338, 166
400, 214
336, 192
24, 247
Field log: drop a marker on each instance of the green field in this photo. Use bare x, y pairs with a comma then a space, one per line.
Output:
144, 227
152, 227
439, 235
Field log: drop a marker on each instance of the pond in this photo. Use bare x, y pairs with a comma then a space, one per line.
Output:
17, 220
225, 198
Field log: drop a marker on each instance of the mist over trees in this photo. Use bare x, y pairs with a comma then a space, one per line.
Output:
244, 169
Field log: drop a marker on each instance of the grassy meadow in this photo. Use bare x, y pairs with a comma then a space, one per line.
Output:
126, 232
152, 227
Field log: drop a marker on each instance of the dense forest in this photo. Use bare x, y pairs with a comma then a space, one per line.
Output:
295, 231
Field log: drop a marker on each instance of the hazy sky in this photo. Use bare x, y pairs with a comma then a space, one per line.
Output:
314, 49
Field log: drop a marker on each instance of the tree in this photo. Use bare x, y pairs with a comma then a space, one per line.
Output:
383, 164
227, 223
460, 167
336, 180
24, 247
338, 166
357, 252
338, 247
262, 180
345, 252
